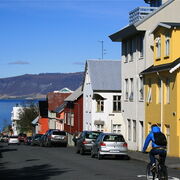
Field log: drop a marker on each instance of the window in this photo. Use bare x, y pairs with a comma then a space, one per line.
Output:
100, 105
134, 130
130, 49
167, 45
126, 89
129, 129
124, 50
141, 89
72, 119
140, 46
117, 103
167, 91
149, 94
158, 47
117, 128
131, 97
100, 127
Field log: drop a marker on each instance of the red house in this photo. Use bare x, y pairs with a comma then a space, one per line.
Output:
73, 112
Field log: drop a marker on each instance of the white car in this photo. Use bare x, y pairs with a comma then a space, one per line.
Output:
13, 140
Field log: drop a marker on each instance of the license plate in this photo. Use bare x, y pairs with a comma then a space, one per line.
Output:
114, 151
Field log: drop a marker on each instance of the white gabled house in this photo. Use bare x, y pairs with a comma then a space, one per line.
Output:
102, 96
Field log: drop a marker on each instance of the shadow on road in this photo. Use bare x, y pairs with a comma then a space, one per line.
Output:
37, 172
5, 150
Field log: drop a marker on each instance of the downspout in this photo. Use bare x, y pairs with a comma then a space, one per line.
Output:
161, 100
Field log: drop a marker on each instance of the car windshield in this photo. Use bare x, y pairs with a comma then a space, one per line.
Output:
114, 138
59, 133
92, 135
13, 137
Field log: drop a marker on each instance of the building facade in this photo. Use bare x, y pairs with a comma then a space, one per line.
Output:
162, 85
137, 55
102, 96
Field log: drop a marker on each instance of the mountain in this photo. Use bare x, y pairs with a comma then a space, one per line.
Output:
38, 85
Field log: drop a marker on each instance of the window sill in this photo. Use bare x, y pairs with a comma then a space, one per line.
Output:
141, 58
158, 59
166, 57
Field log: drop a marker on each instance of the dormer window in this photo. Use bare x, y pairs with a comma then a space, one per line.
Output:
158, 47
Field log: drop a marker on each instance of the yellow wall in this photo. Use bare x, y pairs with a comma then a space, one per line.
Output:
167, 115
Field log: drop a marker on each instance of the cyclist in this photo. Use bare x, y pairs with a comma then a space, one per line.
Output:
156, 149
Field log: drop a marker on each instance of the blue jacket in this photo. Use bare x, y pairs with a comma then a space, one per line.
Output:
150, 137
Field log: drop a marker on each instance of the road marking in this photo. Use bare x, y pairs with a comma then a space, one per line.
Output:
169, 177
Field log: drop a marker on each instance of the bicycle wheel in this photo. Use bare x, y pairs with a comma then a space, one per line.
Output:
163, 173
150, 175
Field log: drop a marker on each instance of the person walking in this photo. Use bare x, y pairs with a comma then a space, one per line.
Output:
159, 144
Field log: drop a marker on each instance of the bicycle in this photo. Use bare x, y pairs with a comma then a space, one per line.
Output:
159, 172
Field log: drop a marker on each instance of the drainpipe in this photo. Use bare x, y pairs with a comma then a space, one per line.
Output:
161, 100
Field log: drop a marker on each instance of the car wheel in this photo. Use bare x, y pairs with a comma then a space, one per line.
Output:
77, 150
92, 154
99, 156
82, 151
49, 144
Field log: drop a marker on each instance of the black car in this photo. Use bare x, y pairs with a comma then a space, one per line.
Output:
36, 139
85, 141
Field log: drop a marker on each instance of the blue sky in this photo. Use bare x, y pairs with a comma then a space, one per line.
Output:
49, 36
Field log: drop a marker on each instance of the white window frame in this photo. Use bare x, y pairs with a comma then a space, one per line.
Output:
129, 129
167, 45
158, 47
141, 89
134, 130
167, 91
126, 90
100, 105
131, 96
116, 128
100, 127
149, 94
116, 103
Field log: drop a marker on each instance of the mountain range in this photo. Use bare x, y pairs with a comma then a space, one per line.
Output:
38, 85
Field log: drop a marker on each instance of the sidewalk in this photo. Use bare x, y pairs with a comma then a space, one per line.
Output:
171, 162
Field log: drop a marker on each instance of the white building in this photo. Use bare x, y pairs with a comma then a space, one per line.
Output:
15, 118
137, 55
102, 96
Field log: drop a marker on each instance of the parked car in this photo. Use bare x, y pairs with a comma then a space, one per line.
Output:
85, 140
36, 139
56, 137
4, 138
42, 140
109, 144
13, 140
28, 140
22, 137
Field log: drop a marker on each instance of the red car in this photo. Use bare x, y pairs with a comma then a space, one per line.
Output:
22, 137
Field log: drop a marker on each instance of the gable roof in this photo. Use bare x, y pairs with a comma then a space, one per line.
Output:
75, 95
105, 75
132, 29
167, 25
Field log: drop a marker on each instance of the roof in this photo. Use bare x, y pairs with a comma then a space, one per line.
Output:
163, 67
75, 95
167, 25
132, 29
60, 108
35, 120
105, 75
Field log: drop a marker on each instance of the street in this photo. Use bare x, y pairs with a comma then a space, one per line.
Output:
22, 162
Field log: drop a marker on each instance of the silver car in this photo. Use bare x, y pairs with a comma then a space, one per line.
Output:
109, 144
13, 140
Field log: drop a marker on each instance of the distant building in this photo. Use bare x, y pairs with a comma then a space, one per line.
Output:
15, 118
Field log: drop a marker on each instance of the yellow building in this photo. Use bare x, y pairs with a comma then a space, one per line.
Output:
162, 85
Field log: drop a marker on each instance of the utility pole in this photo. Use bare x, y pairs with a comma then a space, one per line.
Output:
102, 49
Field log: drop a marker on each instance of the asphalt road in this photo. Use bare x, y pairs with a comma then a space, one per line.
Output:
58, 163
